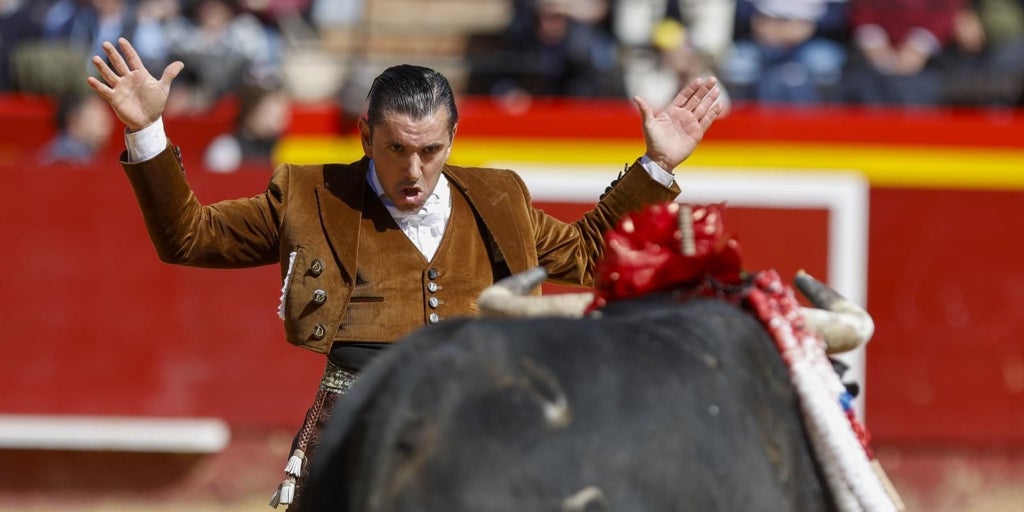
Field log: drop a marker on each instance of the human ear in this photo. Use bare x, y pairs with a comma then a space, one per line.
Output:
366, 137
451, 142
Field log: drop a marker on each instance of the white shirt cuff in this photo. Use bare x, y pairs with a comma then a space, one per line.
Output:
147, 142
656, 172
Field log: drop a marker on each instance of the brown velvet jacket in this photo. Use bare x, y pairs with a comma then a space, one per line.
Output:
314, 211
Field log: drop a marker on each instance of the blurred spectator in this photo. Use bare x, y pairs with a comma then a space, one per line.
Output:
84, 124
160, 13
220, 46
20, 21
667, 43
273, 10
896, 42
322, 54
587, 12
790, 51
335, 13
315, 39
86, 24
546, 51
263, 115
272, 14
57, 63
986, 66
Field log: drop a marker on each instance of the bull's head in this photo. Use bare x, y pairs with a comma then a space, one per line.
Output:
673, 247
842, 324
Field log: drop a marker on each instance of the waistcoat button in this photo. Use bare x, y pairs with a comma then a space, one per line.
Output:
434, 318
431, 287
433, 302
316, 267
432, 273
319, 296
319, 332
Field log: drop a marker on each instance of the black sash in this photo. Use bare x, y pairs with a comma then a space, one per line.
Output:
354, 355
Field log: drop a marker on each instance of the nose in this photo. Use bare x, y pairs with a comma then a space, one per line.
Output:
415, 169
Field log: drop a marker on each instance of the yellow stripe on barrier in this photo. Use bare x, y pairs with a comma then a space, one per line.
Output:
318, 150
885, 166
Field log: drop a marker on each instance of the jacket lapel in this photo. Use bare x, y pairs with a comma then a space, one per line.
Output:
340, 201
494, 206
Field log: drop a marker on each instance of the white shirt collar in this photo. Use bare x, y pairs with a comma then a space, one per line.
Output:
424, 227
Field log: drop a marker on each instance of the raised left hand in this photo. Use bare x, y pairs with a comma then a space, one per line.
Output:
673, 133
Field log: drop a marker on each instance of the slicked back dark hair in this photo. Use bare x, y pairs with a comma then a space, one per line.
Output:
415, 91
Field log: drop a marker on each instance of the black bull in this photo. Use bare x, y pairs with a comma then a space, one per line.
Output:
655, 406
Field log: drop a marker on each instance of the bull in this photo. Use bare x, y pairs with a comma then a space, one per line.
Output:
651, 402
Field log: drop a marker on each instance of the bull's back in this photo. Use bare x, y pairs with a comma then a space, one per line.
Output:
653, 406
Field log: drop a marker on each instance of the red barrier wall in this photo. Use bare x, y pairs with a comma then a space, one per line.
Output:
92, 322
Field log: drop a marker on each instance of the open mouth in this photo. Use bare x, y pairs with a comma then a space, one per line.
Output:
411, 195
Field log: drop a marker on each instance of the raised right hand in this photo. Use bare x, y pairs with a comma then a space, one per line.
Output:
138, 98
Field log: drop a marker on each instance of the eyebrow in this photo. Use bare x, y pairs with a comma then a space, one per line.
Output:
431, 145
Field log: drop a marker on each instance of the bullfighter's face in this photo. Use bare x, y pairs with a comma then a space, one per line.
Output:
409, 154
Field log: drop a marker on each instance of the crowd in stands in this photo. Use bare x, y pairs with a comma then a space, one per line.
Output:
863, 52
231, 48
860, 52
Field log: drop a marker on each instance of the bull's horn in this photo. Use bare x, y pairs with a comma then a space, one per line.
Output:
508, 298
843, 324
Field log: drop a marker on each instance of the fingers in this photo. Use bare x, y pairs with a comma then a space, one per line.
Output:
716, 109
100, 88
687, 93
134, 61
702, 88
171, 71
700, 99
108, 74
707, 102
115, 59
645, 108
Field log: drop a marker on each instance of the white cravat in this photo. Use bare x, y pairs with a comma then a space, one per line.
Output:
425, 226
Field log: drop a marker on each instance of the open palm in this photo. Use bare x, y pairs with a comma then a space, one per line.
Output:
673, 133
136, 96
